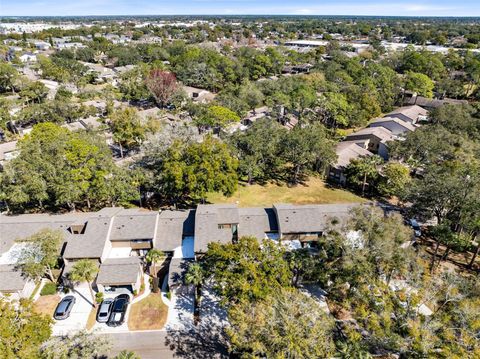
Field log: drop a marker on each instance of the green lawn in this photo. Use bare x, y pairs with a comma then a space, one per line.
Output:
314, 191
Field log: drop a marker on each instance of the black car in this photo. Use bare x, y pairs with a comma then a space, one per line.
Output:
119, 309
64, 307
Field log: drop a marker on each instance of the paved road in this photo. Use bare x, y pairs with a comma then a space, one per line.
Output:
148, 345
170, 344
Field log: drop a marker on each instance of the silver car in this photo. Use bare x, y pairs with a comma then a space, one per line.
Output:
64, 308
104, 310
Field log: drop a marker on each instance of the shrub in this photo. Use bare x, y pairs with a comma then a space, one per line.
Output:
169, 295
49, 289
99, 297
135, 292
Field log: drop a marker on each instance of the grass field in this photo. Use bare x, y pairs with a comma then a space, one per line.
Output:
150, 313
313, 191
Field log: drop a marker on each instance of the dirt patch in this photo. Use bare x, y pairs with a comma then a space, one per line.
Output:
92, 318
150, 313
46, 304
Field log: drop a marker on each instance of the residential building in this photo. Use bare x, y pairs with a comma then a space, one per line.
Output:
412, 98
396, 126
28, 57
347, 151
118, 239
377, 139
199, 95
8, 151
412, 114
42, 45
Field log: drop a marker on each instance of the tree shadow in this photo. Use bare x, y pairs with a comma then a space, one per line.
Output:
206, 340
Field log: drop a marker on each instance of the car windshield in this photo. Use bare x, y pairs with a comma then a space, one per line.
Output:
105, 306
62, 308
119, 305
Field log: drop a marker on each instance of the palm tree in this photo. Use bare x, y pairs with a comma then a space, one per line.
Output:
85, 270
195, 275
125, 354
153, 257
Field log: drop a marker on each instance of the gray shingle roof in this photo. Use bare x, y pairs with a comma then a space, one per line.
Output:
7, 147
172, 227
347, 151
11, 280
18, 227
134, 224
379, 121
119, 271
91, 243
433, 103
310, 218
382, 133
256, 222
207, 219
411, 112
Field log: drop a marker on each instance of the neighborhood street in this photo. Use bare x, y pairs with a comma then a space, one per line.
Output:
148, 345
200, 343
206, 340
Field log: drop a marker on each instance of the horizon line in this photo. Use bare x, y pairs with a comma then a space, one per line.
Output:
241, 14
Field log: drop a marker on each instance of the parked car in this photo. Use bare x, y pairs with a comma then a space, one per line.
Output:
119, 309
104, 311
416, 227
64, 307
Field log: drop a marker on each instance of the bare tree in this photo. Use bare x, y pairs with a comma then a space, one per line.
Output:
162, 85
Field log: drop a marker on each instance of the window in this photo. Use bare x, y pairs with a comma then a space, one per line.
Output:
78, 228
224, 226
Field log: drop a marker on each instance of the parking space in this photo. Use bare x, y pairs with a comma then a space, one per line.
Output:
104, 328
79, 314
181, 310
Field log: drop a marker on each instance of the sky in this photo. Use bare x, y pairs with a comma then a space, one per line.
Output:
253, 7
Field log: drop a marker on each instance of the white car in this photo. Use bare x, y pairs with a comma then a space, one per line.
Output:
104, 310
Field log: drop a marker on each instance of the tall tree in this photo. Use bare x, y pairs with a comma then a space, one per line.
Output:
363, 171
259, 150
85, 270
420, 83
40, 254
128, 130
279, 328
248, 270
395, 178
154, 256
195, 275
59, 168
251, 95
162, 85
8, 76
79, 345
22, 330
216, 117
187, 172
305, 148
